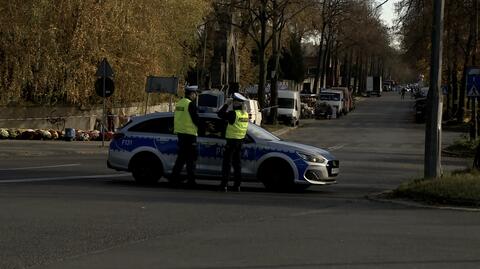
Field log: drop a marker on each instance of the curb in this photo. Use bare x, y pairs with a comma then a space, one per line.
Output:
376, 197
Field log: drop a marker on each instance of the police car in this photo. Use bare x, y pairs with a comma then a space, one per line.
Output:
147, 147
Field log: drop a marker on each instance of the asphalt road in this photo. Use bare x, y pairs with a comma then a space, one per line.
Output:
61, 208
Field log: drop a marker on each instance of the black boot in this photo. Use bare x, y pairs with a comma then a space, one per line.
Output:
191, 184
223, 187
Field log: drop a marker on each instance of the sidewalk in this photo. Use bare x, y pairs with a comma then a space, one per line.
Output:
39, 148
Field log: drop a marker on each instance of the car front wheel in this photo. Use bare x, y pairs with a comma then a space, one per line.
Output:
276, 174
146, 168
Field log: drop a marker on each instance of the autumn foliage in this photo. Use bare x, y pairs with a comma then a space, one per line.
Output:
49, 50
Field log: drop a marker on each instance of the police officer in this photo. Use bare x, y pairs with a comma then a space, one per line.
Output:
186, 127
236, 130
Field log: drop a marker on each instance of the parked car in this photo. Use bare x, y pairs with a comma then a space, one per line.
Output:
420, 107
289, 107
374, 86
307, 112
147, 147
323, 110
347, 99
333, 98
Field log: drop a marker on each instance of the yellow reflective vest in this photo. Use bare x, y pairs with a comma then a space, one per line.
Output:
182, 122
238, 129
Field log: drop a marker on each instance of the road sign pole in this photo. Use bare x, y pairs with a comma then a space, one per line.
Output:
146, 103
104, 74
104, 77
104, 115
433, 130
473, 132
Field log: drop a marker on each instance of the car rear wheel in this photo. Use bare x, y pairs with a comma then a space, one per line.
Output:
277, 174
146, 168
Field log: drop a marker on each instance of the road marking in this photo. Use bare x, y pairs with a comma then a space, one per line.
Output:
337, 147
39, 167
63, 178
311, 212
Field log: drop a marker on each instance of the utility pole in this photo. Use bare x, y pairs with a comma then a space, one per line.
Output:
473, 99
433, 130
474, 133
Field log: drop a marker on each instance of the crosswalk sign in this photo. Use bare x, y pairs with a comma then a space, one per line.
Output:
473, 82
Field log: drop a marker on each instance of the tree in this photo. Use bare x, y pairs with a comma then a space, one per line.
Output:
460, 43
49, 50
291, 63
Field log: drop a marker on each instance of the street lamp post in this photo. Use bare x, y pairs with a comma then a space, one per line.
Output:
433, 131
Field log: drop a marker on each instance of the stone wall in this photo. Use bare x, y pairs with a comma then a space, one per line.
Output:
59, 118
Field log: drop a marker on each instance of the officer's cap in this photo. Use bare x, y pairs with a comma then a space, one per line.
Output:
239, 97
189, 89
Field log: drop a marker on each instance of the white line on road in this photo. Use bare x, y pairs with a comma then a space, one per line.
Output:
39, 167
311, 212
336, 147
63, 178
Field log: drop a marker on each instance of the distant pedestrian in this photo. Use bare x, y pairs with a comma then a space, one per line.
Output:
402, 93
236, 130
185, 124
110, 121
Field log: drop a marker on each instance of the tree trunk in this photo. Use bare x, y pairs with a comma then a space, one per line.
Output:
326, 54
454, 85
335, 70
357, 74
348, 69
343, 71
276, 58
461, 105
449, 92
320, 50
261, 54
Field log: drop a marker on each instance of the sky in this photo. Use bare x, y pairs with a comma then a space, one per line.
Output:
388, 15
388, 11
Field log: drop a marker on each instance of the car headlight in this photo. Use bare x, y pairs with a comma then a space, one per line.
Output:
311, 158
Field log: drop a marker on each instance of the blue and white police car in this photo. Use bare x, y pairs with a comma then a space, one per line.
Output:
147, 147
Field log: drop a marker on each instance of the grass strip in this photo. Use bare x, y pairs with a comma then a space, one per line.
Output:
463, 147
459, 188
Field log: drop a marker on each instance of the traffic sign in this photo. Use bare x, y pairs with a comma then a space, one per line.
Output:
104, 69
109, 87
162, 84
473, 82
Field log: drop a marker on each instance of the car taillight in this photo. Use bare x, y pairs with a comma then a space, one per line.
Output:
117, 136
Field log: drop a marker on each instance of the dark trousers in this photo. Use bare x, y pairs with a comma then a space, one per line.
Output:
232, 157
187, 154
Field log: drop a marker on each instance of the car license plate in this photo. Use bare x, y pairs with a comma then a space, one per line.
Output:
335, 171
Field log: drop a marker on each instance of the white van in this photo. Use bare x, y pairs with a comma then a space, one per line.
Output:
289, 107
333, 98
254, 112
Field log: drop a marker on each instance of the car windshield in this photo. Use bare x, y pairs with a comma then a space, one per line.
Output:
285, 103
330, 97
259, 133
